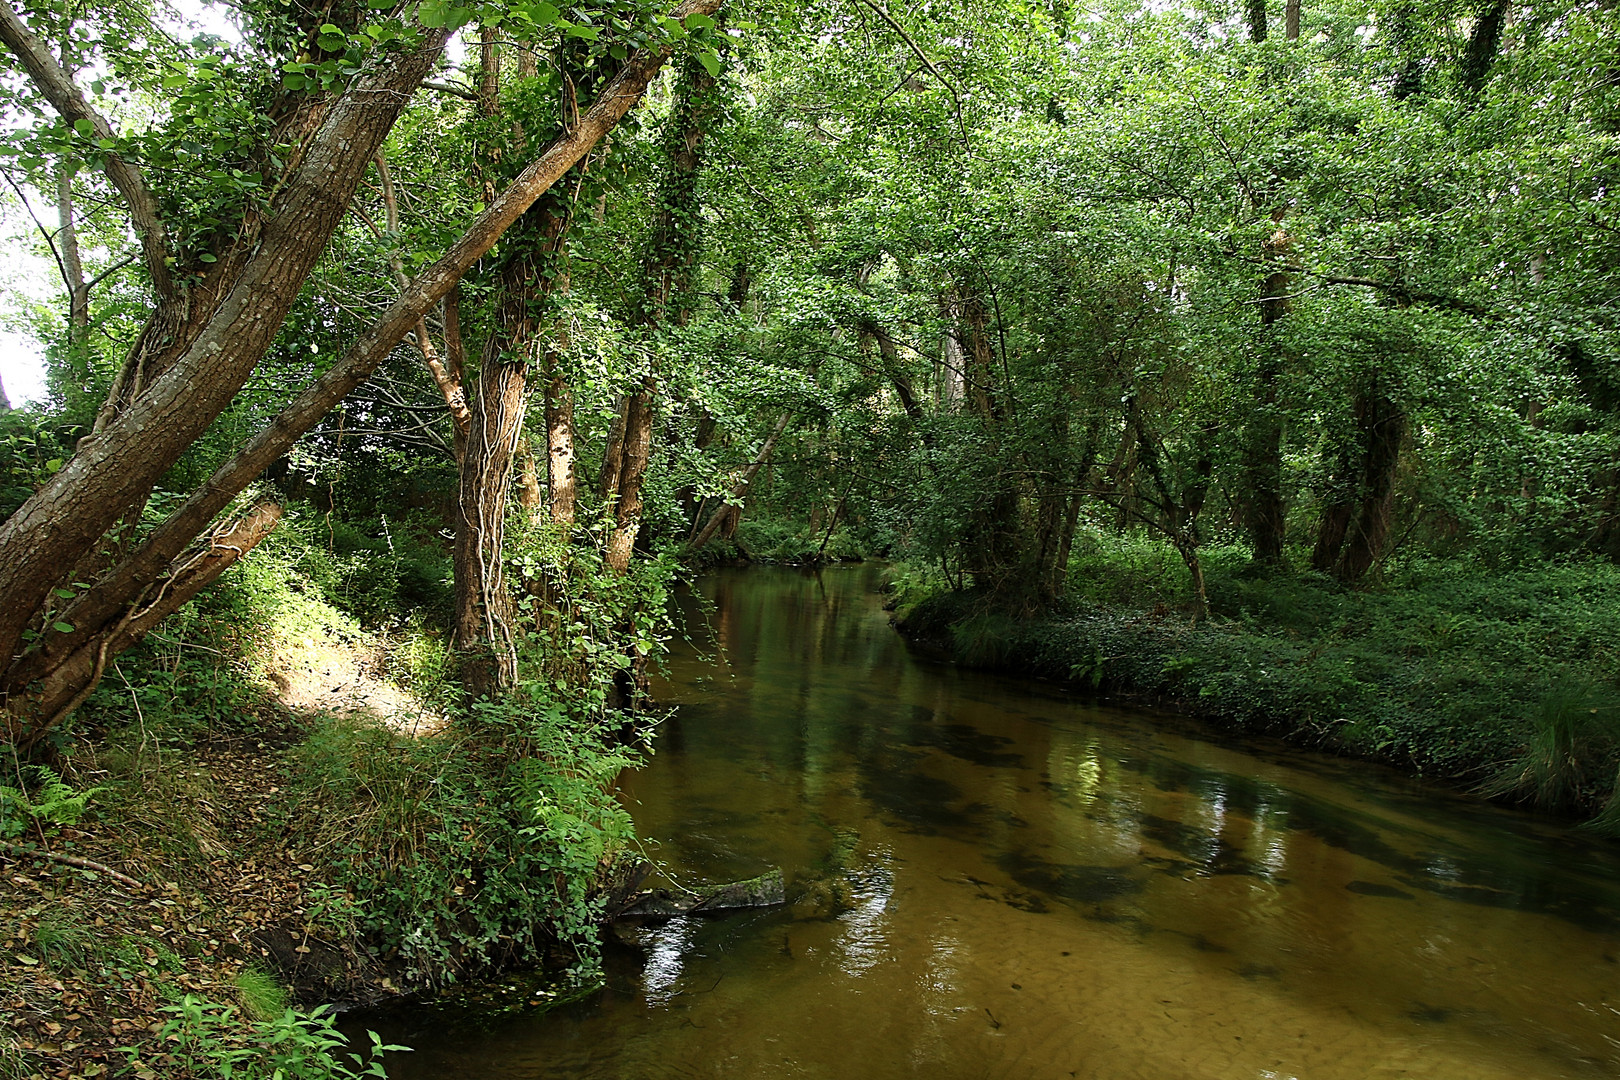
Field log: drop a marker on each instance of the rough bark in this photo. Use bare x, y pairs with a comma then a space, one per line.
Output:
45, 540
1483, 45
116, 468
67, 241
562, 489
484, 634
634, 454
1257, 20
70, 681
974, 336
1384, 425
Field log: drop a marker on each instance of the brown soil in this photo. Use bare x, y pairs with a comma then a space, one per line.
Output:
214, 884
89, 960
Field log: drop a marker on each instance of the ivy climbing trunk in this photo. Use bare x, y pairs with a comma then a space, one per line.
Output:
671, 262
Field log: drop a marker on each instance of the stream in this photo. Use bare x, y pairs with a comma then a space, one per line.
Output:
995, 878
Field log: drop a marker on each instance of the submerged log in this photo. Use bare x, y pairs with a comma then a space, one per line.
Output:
766, 890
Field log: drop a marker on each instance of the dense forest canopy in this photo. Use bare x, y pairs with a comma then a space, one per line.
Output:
1330, 282
1259, 360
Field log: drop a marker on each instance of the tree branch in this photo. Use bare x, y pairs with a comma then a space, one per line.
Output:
926, 62
69, 101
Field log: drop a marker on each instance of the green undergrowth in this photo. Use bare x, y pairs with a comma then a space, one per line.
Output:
1504, 677
204, 1039
775, 540
419, 849
479, 847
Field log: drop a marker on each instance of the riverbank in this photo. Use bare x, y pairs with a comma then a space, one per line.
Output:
271, 807
1502, 681
178, 887
219, 901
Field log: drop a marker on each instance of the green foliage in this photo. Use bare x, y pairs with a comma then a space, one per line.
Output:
775, 540
48, 801
1450, 669
476, 846
262, 996
203, 1040
32, 448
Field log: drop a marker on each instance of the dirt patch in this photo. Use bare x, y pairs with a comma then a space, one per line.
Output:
89, 961
323, 675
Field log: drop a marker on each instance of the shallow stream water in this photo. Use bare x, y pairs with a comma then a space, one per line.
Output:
995, 878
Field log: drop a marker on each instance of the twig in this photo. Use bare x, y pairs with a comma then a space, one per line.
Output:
74, 860
928, 64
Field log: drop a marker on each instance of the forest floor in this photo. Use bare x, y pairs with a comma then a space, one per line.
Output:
185, 881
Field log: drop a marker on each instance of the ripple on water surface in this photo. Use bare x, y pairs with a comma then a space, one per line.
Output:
994, 879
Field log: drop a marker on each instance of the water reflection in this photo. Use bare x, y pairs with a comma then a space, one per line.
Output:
666, 957
992, 879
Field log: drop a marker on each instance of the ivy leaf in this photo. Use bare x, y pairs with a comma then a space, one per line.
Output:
84, 127
711, 62
62, 627
434, 14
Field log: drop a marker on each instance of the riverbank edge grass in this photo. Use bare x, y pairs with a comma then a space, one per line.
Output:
217, 804
1457, 673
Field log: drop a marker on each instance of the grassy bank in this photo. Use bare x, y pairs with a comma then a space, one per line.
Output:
273, 804
1501, 678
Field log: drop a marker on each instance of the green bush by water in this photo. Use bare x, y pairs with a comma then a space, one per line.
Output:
482, 845
205, 1040
1504, 678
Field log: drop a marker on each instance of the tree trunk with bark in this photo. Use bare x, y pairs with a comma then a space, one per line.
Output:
668, 298
729, 512
1355, 522
116, 468
1265, 513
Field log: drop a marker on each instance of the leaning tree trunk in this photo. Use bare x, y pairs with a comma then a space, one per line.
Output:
730, 511
117, 467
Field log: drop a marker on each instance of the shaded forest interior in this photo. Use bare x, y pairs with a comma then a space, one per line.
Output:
1259, 361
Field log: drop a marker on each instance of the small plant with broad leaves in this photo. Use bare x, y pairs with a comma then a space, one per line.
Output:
205, 1039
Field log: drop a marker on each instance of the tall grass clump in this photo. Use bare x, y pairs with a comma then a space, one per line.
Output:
1569, 744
